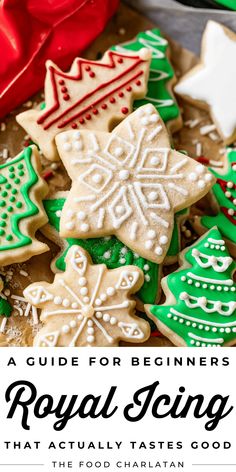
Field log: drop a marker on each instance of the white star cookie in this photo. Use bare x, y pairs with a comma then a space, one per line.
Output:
211, 84
129, 183
88, 305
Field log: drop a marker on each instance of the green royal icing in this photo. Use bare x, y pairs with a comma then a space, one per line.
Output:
227, 3
5, 308
205, 310
224, 192
161, 72
112, 252
15, 203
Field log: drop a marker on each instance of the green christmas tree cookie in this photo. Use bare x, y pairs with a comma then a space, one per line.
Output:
21, 210
228, 3
161, 75
200, 307
224, 201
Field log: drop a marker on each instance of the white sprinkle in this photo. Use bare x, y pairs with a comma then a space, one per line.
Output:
5, 153
3, 126
198, 149
214, 136
204, 130
24, 273
192, 123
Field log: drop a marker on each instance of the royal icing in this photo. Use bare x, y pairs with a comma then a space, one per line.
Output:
21, 212
92, 95
205, 310
88, 305
161, 73
213, 81
5, 307
224, 192
131, 187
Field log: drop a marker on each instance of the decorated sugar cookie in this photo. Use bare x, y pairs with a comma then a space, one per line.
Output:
88, 305
21, 211
224, 203
161, 77
92, 95
128, 183
108, 250
211, 84
200, 307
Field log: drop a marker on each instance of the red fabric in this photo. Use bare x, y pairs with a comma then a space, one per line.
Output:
32, 31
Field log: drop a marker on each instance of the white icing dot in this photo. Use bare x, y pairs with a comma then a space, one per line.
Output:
119, 209
183, 278
124, 250
72, 323
197, 284
64, 137
65, 329
214, 330
149, 110
81, 215
206, 244
207, 328
80, 317
84, 227
181, 320
169, 315
124, 174
153, 118
98, 315
163, 239
154, 161
57, 300
82, 281
231, 211
230, 184
200, 169
208, 177
90, 339
212, 287
122, 260
70, 225
107, 255
204, 285
98, 302
66, 302
90, 323
192, 342
78, 146
113, 320
158, 250
67, 147
228, 330
201, 184
110, 291
217, 246
86, 299
90, 330
151, 234
76, 135
144, 120
106, 317
149, 244
146, 267
152, 196
74, 305
190, 282
200, 326
118, 151
97, 178
228, 194
84, 291
103, 297
147, 278
192, 176
188, 323
58, 213
194, 325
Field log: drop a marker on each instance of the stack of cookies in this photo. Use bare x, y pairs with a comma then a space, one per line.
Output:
129, 208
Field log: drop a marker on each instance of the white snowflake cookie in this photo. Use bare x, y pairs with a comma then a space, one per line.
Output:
129, 183
88, 305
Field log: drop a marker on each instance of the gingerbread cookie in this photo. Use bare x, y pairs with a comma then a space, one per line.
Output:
161, 77
200, 307
211, 84
92, 95
128, 183
108, 250
88, 305
21, 211
223, 202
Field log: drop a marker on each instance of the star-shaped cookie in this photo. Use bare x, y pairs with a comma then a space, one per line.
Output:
128, 183
88, 305
211, 84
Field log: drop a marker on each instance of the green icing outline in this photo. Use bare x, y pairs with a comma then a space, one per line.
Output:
157, 90
176, 285
227, 228
31, 209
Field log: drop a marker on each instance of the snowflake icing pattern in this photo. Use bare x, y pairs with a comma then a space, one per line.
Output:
88, 305
129, 183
